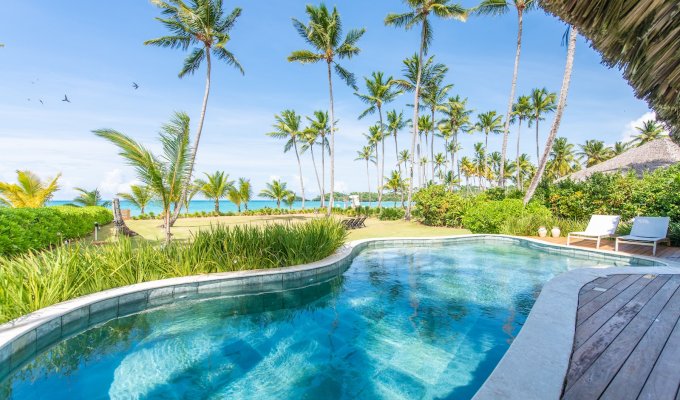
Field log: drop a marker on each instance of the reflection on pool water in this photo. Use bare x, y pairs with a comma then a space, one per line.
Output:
428, 321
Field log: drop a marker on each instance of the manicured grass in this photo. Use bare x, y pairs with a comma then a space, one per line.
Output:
149, 229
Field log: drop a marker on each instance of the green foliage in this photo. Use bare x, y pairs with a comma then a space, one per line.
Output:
528, 225
436, 206
23, 229
491, 216
38, 279
391, 214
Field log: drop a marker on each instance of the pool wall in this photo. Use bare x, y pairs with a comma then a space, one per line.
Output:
24, 337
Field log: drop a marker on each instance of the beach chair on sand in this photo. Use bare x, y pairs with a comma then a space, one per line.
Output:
647, 231
359, 223
599, 227
348, 223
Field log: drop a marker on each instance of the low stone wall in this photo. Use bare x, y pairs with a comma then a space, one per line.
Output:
22, 338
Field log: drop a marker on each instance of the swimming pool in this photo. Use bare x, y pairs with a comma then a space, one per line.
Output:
427, 320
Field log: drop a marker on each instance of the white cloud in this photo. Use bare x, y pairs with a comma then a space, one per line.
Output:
115, 181
630, 131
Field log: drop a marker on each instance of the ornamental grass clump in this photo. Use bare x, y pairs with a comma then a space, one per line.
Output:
34, 280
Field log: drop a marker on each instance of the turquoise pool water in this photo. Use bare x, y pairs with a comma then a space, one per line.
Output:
424, 322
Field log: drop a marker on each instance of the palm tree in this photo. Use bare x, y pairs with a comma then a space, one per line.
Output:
276, 190
440, 165
216, 187
204, 25
289, 199
323, 34
396, 184
480, 161
650, 130
419, 15
366, 154
403, 158
498, 7
542, 103
319, 126
235, 197
309, 138
425, 126
288, 127
165, 176
374, 137
594, 152
562, 158
488, 122
379, 91
90, 198
194, 189
29, 191
571, 50
467, 168
620, 148
456, 119
521, 111
140, 196
245, 190
524, 169
434, 98
395, 123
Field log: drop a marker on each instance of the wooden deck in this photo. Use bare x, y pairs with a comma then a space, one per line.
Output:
669, 253
627, 339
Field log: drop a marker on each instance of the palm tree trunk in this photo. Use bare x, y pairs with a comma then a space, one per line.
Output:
316, 172
432, 146
506, 129
382, 160
323, 170
368, 180
332, 173
377, 178
519, 135
167, 226
558, 115
537, 156
194, 149
486, 153
416, 95
217, 205
302, 184
396, 151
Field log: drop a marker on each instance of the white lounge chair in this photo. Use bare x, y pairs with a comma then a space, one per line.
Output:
647, 231
599, 227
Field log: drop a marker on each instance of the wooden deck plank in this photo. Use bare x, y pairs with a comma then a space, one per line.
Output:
590, 352
630, 379
672, 253
664, 380
598, 302
585, 297
586, 329
593, 284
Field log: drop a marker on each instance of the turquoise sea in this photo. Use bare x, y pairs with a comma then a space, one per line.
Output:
225, 205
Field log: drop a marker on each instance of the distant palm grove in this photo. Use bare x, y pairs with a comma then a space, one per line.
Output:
424, 139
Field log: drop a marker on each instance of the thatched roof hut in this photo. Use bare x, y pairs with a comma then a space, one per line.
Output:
642, 37
658, 153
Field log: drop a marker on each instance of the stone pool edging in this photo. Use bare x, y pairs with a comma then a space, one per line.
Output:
22, 338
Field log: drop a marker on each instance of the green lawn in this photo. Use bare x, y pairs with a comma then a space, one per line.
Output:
150, 229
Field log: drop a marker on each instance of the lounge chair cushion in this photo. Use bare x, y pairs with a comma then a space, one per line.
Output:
601, 225
650, 227
641, 238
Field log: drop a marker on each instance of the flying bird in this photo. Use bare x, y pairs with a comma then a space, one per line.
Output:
66, 99
135, 85
41, 102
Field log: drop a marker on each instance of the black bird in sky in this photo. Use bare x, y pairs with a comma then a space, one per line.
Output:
41, 102
66, 99
135, 85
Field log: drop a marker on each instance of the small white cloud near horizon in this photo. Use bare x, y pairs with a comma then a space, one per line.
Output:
115, 182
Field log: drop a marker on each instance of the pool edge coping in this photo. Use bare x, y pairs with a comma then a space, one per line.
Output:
21, 334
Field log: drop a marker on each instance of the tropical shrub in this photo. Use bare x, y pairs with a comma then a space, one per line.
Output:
391, 214
436, 206
38, 279
23, 229
528, 225
490, 216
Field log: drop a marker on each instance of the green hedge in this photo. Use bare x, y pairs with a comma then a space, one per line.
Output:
436, 206
23, 229
491, 216
391, 214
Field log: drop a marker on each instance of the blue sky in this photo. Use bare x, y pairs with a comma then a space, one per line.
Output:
93, 51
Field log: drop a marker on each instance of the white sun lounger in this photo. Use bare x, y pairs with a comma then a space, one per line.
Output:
599, 227
647, 231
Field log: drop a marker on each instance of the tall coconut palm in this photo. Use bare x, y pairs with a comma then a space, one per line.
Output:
419, 15
276, 190
194, 189
309, 138
396, 184
481, 163
650, 130
425, 126
319, 125
488, 122
498, 7
456, 119
620, 148
366, 154
403, 158
524, 169
374, 138
542, 103
594, 152
395, 123
440, 165
434, 98
216, 187
521, 111
289, 199
571, 50
323, 34
204, 25
288, 127
246, 191
29, 191
140, 196
454, 148
467, 168
164, 175
379, 91
90, 198
562, 158
234, 196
